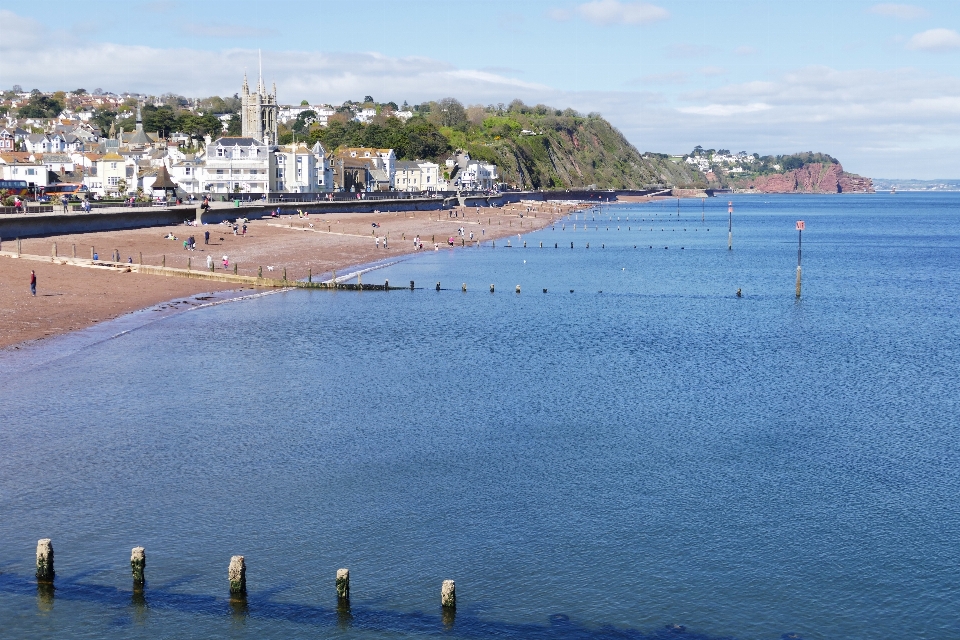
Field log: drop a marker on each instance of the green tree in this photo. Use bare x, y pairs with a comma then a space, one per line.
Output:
235, 126
160, 119
40, 106
304, 103
448, 112
103, 118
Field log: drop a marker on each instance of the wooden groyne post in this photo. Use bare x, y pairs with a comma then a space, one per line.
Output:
138, 562
45, 572
343, 586
448, 595
237, 574
730, 226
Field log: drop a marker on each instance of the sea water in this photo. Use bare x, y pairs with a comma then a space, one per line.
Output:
636, 452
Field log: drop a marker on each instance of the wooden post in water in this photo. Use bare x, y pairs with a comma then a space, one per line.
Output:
491, 288
343, 585
284, 274
310, 275
438, 285
237, 574
45, 572
411, 285
448, 595
730, 226
138, 562
800, 227
702, 208
463, 287
259, 272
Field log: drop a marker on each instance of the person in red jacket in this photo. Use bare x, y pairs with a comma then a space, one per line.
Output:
33, 282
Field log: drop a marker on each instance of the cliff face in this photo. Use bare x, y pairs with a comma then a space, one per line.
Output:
810, 178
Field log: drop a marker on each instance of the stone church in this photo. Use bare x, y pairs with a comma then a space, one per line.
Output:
258, 113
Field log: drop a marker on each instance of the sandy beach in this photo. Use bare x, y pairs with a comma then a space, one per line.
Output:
71, 297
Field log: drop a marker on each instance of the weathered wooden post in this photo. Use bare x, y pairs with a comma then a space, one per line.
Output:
310, 274
284, 274
237, 573
491, 288
236, 265
45, 572
188, 263
259, 272
448, 595
140, 258
438, 286
163, 261
18, 247
53, 250
138, 562
92, 252
411, 285
343, 585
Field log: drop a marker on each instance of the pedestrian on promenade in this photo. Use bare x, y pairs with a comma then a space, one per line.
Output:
33, 282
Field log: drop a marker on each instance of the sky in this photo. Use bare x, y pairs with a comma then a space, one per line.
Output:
876, 85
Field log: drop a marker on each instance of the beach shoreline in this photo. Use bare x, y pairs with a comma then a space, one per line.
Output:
73, 295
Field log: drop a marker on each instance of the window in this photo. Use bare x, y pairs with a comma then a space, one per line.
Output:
220, 152
113, 181
220, 171
279, 172
113, 165
187, 170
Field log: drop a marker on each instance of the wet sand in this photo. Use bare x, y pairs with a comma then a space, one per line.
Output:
73, 297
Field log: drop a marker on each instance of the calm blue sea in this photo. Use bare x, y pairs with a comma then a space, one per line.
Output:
646, 450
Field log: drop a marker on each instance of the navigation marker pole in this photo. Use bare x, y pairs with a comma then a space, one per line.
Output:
702, 206
730, 226
800, 227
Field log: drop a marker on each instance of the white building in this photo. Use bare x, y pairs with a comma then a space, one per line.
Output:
299, 169
237, 165
29, 169
187, 171
365, 116
470, 175
416, 176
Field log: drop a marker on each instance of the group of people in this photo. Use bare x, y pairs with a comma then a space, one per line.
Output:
384, 242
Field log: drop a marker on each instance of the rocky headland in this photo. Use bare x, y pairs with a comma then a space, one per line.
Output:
810, 178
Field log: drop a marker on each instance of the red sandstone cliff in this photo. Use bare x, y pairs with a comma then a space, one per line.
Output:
810, 178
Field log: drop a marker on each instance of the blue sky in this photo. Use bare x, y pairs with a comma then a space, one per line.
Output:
875, 84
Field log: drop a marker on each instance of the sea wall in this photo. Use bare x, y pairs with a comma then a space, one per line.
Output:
25, 226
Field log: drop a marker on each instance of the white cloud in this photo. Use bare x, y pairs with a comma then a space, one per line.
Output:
900, 11
609, 12
937, 40
744, 50
725, 110
560, 15
712, 71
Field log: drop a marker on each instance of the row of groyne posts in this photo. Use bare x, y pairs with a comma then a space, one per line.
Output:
236, 576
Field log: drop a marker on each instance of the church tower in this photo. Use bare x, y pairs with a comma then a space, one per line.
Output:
258, 112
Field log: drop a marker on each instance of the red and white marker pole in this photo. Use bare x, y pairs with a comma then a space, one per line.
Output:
800, 227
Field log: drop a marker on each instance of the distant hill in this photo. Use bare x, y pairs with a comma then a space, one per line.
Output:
536, 147
543, 148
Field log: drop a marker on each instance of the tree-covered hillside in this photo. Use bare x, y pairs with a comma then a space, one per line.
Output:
534, 147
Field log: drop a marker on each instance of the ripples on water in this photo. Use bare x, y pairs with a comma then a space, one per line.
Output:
584, 464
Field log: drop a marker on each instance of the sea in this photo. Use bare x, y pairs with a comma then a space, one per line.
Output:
623, 447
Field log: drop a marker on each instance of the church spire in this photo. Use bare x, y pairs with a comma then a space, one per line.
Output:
260, 88
139, 119
246, 87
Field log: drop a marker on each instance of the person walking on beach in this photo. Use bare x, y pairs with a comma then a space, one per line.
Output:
33, 282
226, 263
206, 237
378, 242
209, 262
